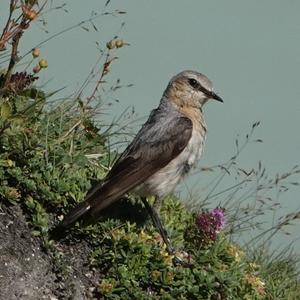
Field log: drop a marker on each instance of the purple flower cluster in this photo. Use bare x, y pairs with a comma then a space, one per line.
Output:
18, 81
210, 224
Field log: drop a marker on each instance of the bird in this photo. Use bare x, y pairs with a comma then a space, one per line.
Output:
161, 154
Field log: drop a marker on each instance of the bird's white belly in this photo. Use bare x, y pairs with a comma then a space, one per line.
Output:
164, 181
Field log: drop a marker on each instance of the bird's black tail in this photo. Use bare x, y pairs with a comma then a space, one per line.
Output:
79, 212
99, 198
75, 214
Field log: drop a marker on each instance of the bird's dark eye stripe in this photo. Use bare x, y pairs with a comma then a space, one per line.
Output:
197, 86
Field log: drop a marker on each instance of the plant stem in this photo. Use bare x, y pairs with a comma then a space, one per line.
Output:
13, 57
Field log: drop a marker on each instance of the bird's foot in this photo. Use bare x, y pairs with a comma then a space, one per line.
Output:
181, 258
178, 261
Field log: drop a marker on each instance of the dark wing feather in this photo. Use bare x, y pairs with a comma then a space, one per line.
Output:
153, 148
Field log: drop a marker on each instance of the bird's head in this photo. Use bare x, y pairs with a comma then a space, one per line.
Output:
190, 88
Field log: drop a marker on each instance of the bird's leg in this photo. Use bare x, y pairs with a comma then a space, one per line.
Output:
157, 223
157, 204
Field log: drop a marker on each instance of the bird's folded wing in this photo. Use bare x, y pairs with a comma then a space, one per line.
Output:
152, 149
142, 160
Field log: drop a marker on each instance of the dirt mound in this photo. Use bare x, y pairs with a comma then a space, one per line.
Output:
28, 272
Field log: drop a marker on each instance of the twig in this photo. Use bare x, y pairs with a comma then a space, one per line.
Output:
70, 131
88, 78
105, 70
13, 57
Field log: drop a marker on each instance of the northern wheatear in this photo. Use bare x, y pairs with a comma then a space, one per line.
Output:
160, 155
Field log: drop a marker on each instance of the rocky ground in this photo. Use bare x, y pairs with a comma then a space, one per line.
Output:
27, 271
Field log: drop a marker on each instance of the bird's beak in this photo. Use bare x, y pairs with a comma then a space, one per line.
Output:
216, 97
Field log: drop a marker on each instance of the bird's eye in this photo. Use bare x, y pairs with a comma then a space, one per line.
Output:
193, 83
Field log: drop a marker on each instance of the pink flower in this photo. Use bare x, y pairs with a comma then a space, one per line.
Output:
210, 224
218, 215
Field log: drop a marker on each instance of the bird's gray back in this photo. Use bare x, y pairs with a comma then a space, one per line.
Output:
155, 129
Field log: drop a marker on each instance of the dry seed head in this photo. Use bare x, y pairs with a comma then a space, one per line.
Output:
111, 44
36, 69
43, 63
36, 52
28, 13
119, 43
32, 15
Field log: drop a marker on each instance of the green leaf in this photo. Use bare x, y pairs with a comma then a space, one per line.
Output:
5, 110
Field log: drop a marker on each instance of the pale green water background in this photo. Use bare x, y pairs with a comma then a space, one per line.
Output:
249, 49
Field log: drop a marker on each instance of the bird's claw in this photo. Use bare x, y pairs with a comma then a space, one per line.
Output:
177, 261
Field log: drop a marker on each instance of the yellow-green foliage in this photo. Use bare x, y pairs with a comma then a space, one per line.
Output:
135, 263
43, 163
